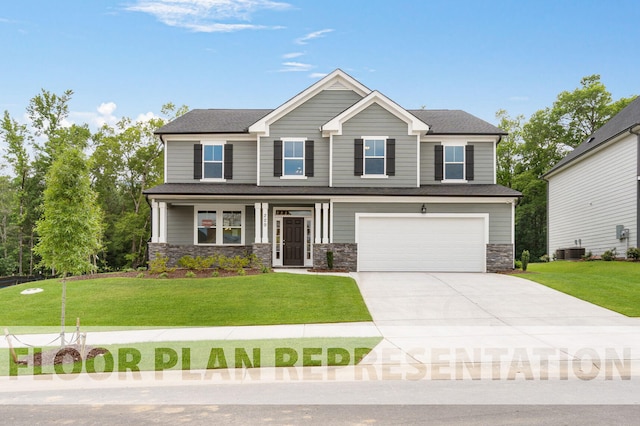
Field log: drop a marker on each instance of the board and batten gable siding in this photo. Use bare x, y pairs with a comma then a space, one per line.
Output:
484, 163
180, 223
305, 122
593, 195
344, 215
375, 121
180, 161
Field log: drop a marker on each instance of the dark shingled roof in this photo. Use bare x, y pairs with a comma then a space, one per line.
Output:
442, 122
214, 121
445, 121
622, 122
226, 189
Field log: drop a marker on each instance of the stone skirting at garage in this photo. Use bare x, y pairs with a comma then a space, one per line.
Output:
345, 256
499, 257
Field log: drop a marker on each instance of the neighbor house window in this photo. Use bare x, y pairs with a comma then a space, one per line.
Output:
374, 156
293, 158
219, 226
454, 162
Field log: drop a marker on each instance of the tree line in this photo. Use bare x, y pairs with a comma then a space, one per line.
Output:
118, 162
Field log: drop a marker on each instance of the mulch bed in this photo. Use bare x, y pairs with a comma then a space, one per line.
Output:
178, 273
66, 355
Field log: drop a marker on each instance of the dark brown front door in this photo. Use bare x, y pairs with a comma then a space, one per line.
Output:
293, 241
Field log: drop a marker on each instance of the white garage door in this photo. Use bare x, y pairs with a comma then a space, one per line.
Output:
432, 242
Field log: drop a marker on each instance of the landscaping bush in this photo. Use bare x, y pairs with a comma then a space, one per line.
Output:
609, 255
633, 253
330, 259
196, 264
525, 259
159, 265
190, 274
518, 264
233, 263
544, 258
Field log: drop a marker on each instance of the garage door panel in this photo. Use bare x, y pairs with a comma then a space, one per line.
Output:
423, 243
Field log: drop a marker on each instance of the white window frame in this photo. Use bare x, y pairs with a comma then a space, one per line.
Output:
444, 162
284, 158
220, 209
213, 143
366, 175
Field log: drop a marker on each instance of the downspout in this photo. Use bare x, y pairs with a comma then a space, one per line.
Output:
637, 125
146, 197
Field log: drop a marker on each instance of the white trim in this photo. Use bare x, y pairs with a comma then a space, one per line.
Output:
275, 218
209, 142
257, 223
458, 139
495, 163
219, 208
155, 221
444, 161
325, 223
317, 217
265, 223
375, 176
337, 198
334, 126
218, 137
331, 161
292, 176
162, 236
513, 230
421, 200
304, 162
364, 157
330, 221
419, 154
258, 162
262, 126
166, 163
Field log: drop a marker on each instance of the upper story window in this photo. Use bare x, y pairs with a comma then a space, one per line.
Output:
293, 158
213, 161
374, 156
454, 162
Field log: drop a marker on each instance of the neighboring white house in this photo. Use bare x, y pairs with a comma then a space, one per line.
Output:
594, 191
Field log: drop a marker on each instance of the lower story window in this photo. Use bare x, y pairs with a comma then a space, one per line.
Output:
221, 226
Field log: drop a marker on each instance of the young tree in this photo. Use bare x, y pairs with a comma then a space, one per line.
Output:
70, 229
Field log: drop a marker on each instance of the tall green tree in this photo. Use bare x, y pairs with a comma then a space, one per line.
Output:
70, 230
508, 152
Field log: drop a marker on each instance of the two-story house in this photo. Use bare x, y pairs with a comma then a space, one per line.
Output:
339, 168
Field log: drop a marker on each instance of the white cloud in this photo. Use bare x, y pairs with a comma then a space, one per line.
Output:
318, 74
148, 116
104, 115
313, 35
295, 67
206, 15
292, 55
107, 108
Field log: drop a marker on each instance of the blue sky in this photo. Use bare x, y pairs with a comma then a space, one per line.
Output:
127, 58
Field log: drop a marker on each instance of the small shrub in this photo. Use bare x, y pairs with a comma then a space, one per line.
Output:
241, 272
265, 269
141, 269
190, 274
609, 255
163, 275
525, 259
518, 264
633, 253
140, 275
330, 259
215, 274
588, 256
544, 258
196, 264
159, 265
233, 263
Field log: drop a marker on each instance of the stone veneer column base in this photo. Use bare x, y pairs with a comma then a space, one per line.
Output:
175, 252
263, 252
499, 257
345, 256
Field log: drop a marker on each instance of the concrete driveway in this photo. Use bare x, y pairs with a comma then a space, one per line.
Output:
447, 318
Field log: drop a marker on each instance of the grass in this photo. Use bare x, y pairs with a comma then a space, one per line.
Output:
265, 299
201, 355
612, 285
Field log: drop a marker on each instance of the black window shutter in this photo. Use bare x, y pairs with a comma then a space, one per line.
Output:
358, 152
439, 162
197, 161
277, 158
308, 158
228, 161
468, 162
391, 157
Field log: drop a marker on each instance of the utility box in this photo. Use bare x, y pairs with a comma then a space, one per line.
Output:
620, 232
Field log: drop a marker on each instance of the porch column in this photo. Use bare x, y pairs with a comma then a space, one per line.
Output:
265, 222
325, 223
258, 224
318, 218
162, 235
155, 221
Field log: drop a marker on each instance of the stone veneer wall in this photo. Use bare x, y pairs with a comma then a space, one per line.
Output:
175, 252
263, 252
499, 257
345, 256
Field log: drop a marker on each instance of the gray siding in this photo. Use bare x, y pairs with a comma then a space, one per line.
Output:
180, 161
375, 121
180, 225
484, 165
344, 217
305, 122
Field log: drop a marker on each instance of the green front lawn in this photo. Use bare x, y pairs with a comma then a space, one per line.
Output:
612, 285
265, 299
